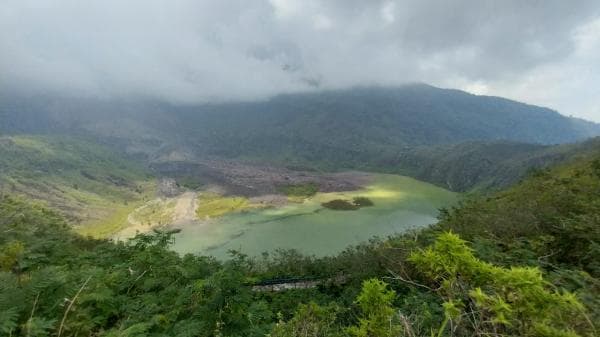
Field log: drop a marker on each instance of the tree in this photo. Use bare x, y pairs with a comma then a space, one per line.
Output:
483, 298
378, 317
310, 320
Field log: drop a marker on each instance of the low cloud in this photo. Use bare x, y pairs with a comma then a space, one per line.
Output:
189, 51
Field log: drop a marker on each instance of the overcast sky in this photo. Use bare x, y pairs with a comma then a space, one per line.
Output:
544, 52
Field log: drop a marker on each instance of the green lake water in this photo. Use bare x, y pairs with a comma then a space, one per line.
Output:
401, 203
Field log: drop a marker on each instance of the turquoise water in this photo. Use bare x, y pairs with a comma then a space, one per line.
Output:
401, 203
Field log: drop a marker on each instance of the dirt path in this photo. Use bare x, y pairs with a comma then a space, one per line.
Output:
131, 230
185, 208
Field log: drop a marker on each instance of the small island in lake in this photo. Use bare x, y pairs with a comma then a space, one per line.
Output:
347, 205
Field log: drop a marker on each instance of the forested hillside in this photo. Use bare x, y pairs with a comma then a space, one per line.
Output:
448, 137
484, 166
347, 127
372, 121
95, 186
529, 267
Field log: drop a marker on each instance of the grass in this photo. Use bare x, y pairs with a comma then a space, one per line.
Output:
94, 186
362, 202
299, 192
155, 212
35, 144
212, 205
105, 227
191, 183
106, 217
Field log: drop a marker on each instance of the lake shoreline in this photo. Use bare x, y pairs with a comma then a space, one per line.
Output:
400, 204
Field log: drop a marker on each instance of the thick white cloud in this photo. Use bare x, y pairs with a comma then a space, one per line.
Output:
571, 84
543, 52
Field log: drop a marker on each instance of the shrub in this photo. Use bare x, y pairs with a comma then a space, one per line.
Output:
340, 205
509, 301
300, 190
363, 202
346, 205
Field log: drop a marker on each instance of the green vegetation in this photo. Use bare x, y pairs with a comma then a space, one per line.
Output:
340, 205
362, 202
375, 129
115, 220
155, 212
190, 182
484, 166
522, 262
514, 301
553, 211
454, 143
94, 187
212, 205
346, 205
301, 191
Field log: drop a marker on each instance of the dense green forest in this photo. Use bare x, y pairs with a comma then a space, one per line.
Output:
521, 262
365, 124
406, 115
483, 166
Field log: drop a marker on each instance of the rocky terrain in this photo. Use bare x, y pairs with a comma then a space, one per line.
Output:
253, 180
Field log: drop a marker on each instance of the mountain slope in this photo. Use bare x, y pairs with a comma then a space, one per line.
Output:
485, 165
332, 126
448, 137
554, 212
363, 118
91, 184
530, 269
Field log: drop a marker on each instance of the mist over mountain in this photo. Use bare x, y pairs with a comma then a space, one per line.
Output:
369, 122
408, 115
